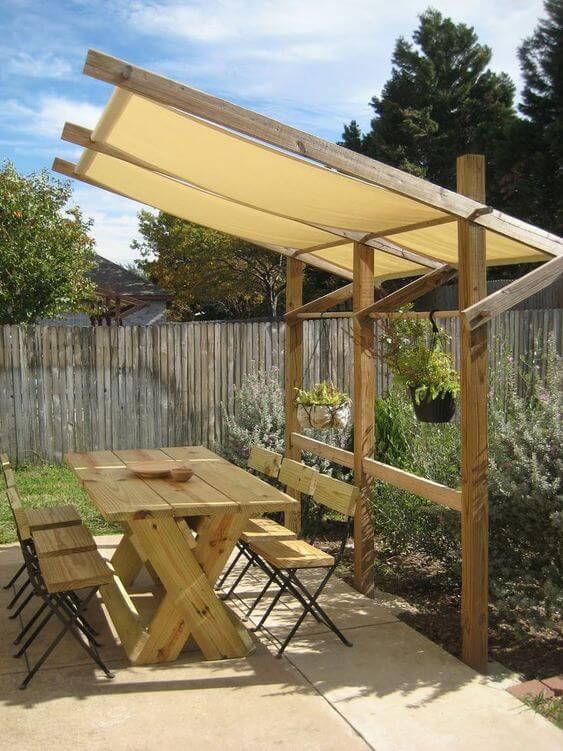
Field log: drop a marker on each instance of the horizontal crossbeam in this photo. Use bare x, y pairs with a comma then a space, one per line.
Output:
517, 291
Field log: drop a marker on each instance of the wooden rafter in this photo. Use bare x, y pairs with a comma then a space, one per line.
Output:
169, 92
410, 292
498, 302
320, 304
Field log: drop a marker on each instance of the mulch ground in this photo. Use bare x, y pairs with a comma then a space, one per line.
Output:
434, 604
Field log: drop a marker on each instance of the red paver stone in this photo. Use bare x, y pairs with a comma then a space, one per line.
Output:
531, 688
555, 684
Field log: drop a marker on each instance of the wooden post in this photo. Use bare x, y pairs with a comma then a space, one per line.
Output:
474, 451
293, 372
364, 410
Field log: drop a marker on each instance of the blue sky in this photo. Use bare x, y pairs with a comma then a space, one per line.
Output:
312, 63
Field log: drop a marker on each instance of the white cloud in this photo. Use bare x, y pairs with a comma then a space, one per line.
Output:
39, 65
46, 120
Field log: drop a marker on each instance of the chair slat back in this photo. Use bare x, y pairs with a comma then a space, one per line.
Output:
337, 495
18, 511
265, 461
298, 476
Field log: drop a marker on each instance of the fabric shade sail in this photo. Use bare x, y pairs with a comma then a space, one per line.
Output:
208, 174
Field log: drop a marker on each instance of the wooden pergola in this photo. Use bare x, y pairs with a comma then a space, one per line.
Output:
319, 204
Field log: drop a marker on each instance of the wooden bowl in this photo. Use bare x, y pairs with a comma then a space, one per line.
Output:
181, 474
151, 469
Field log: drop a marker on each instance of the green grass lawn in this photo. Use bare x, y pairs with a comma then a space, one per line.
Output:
51, 485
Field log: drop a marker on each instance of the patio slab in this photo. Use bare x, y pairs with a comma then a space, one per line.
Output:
393, 690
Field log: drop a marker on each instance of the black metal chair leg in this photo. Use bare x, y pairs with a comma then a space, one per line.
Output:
271, 606
18, 594
227, 573
34, 635
29, 624
15, 577
271, 579
21, 607
238, 580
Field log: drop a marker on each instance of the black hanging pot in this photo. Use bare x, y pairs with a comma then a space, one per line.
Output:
440, 409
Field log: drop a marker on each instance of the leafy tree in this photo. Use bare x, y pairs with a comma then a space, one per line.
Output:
45, 251
441, 100
208, 272
532, 183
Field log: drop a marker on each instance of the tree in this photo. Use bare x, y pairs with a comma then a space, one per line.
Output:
532, 183
352, 137
45, 251
208, 272
441, 101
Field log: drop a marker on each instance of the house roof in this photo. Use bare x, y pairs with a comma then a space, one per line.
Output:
110, 276
214, 163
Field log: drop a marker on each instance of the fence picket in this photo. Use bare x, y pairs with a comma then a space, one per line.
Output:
95, 388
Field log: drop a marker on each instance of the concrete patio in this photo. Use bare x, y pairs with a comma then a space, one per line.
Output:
394, 690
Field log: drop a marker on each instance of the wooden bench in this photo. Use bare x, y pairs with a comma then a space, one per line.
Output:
63, 541
74, 571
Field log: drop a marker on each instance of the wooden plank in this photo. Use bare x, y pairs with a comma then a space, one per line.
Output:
505, 298
399, 478
216, 538
64, 573
474, 452
298, 476
126, 560
337, 495
192, 454
169, 92
63, 540
49, 517
92, 460
410, 292
192, 498
364, 431
119, 496
332, 453
123, 615
320, 304
264, 461
190, 593
293, 372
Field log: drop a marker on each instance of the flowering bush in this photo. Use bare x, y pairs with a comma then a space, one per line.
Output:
258, 418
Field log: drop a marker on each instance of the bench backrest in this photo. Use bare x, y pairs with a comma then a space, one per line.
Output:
18, 511
298, 476
264, 461
7, 471
337, 495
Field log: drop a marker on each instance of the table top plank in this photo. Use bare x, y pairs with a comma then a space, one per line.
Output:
216, 487
118, 495
193, 454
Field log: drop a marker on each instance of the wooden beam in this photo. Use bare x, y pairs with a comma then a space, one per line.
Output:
172, 93
474, 451
413, 226
327, 314
410, 292
416, 314
332, 453
432, 491
81, 136
364, 429
489, 307
293, 372
320, 304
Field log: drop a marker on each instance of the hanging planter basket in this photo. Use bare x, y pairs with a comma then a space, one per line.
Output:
324, 416
439, 409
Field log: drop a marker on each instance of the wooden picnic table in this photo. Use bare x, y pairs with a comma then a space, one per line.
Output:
184, 533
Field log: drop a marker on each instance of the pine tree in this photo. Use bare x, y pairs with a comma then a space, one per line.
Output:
352, 137
442, 100
532, 184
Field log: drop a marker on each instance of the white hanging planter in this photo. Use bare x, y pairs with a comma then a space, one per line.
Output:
324, 416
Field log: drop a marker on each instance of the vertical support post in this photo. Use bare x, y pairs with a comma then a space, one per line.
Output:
364, 411
474, 448
293, 372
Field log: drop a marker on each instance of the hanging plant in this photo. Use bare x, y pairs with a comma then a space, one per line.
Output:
414, 349
323, 407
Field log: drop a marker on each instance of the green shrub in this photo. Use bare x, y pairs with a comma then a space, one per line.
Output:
258, 418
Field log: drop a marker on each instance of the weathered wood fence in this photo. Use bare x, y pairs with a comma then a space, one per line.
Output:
76, 389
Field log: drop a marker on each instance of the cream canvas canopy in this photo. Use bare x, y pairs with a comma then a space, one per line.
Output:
179, 150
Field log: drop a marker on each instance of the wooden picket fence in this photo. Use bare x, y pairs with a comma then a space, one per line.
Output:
77, 389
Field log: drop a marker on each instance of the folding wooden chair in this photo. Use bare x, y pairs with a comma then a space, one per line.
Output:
56, 577
268, 463
285, 559
51, 517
